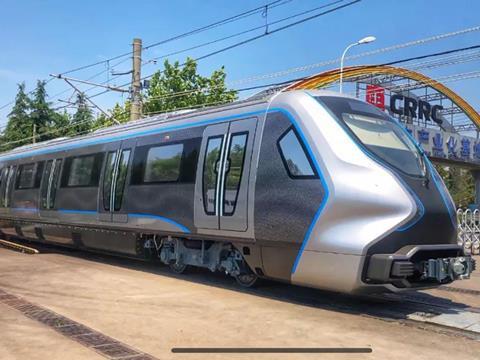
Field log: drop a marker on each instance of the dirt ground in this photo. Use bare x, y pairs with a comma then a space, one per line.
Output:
148, 308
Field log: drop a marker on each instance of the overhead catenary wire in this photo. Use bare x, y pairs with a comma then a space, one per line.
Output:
298, 22
204, 89
183, 35
369, 53
453, 77
264, 26
416, 42
230, 19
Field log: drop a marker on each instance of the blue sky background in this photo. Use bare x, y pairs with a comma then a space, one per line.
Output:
52, 36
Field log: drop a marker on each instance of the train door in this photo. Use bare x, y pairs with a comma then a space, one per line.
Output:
113, 189
223, 172
49, 185
8, 178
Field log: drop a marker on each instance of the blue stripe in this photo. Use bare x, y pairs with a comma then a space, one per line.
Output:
157, 217
34, 210
86, 142
420, 207
437, 180
72, 211
324, 184
444, 193
136, 215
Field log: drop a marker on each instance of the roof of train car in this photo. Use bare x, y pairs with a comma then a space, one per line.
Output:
111, 133
146, 126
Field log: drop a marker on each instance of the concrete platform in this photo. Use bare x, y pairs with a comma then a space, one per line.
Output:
146, 307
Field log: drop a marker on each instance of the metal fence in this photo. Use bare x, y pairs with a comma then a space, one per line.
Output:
469, 230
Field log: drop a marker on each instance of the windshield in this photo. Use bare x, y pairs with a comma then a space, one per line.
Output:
381, 134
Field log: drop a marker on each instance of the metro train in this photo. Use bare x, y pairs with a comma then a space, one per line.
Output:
308, 187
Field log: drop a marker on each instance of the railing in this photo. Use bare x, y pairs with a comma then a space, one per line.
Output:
469, 230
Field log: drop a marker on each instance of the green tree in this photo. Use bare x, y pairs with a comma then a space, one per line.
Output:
41, 115
82, 120
460, 184
119, 113
19, 129
180, 86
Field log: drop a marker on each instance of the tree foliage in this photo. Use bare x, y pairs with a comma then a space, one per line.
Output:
82, 120
19, 126
180, 86
460, 184
32, 119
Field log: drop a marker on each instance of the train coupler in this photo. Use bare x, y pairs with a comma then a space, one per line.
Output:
448, 269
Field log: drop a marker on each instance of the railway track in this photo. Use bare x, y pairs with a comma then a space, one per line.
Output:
416, 309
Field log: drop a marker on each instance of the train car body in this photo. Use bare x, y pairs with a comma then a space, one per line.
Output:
312, 188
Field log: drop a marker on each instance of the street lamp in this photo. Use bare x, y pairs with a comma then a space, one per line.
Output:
365, 40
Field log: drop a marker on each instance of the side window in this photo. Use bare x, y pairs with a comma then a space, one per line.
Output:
82, 171
29, 175
163, 163
234, 170
294, 156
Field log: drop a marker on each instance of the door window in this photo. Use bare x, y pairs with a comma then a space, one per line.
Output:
121, 179
3, 187
114, 179
8, 186
49, 183
54, 183
233, 171
210, 173
46, 184
107, 181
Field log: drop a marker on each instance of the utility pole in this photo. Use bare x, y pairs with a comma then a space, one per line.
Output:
34, 133
136, 108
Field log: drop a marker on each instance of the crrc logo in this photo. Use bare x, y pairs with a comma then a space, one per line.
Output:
416, 109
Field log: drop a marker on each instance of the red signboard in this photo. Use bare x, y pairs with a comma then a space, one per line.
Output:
376, 96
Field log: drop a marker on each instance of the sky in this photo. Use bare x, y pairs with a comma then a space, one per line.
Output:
40, 37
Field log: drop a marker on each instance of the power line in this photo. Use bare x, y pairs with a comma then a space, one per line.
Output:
183, 35
265, 26
254, 38
453, 77
230, 19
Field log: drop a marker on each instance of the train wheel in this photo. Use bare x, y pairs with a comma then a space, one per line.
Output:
247, 280
178, 268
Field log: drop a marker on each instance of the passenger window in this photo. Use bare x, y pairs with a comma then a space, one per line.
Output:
26, 177
210, 173
234, 169
163, 163
82, 170
294, 156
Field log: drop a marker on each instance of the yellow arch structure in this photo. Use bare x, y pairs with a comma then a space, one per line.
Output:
329, 77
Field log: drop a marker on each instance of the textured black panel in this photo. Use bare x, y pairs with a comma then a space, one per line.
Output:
77, 198
284, 207
170, 200
25, 198
434, 228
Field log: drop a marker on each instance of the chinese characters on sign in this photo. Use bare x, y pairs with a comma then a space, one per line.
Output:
446, 145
